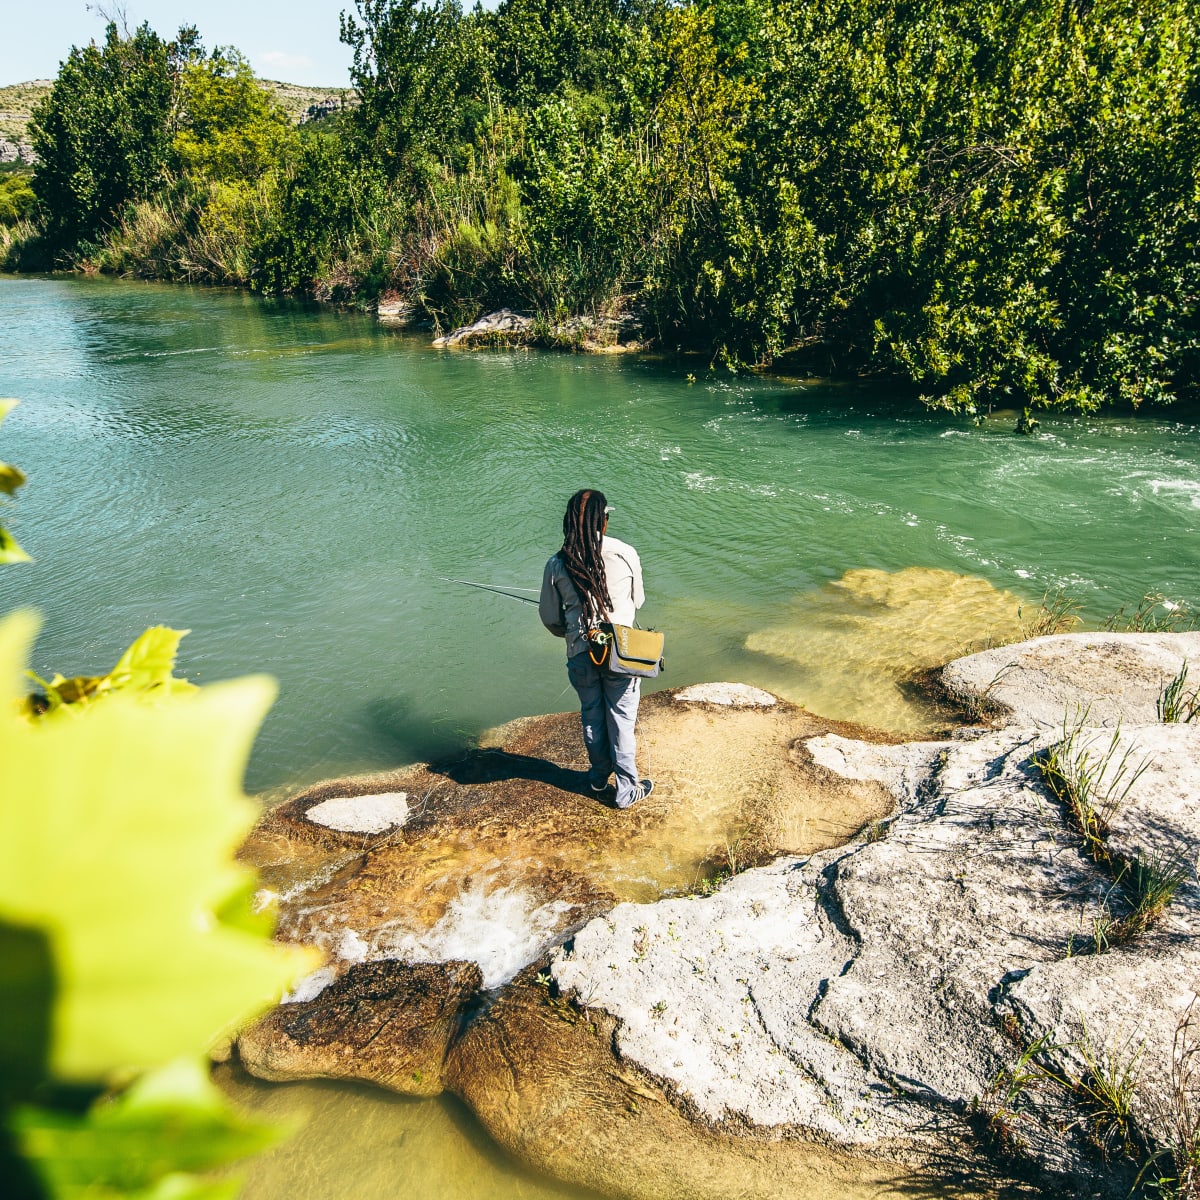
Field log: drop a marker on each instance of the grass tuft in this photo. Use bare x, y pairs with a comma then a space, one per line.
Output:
1175, 702
1150, 882
1092, 784
1107, 1089
1155, 613
1057, 613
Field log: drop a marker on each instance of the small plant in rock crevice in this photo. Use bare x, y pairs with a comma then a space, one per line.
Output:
1106, 1090
1176, 704
739, 853
1007, 1102
1092, 783
1150, 881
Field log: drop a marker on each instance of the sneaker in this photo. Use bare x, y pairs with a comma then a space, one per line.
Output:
640, 792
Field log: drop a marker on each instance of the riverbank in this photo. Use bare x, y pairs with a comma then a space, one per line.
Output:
961, 990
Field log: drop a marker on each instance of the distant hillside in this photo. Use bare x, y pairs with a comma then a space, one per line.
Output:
295, 99
17, 101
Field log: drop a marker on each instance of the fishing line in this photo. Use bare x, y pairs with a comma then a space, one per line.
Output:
487, 587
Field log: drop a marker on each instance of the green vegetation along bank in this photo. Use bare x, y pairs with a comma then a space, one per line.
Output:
997, 205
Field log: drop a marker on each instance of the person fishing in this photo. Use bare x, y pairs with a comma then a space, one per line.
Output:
594, 579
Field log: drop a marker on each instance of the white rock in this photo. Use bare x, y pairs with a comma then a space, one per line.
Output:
502, 326
737, 695
1109, 676
901, 769
361, 814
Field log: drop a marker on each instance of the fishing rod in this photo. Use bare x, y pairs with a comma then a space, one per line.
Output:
487, 587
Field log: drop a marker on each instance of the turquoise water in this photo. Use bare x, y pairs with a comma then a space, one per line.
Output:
290, 482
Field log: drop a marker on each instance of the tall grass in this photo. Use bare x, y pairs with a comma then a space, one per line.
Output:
1175, 702
1091, 783
1057, 613
23, 248
148, 241
1154, 613
1107, 1090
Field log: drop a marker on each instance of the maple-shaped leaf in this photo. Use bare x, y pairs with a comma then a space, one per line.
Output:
117, 840
146, 667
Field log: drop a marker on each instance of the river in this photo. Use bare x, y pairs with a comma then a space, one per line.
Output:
292, 484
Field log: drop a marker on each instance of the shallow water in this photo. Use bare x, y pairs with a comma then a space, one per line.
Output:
289, 483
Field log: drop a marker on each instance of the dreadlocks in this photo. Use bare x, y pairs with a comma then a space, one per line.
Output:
583, 531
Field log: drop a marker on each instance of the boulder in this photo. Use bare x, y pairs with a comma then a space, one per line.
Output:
503, 328
388, 1023
1107, 677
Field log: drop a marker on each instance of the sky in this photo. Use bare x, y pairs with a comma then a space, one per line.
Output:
292, 40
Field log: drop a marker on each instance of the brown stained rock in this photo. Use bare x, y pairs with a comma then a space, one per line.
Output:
516, 820
510, 834
388, 1023
543, 1079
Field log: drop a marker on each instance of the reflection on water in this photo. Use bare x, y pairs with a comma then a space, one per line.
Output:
849, 645
360, 1143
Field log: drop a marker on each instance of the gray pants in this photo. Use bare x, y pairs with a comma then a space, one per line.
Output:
608, 707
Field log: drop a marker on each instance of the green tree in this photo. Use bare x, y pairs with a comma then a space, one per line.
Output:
17, 199
539, 47
230, 129
418, 69
102, 135
329, 206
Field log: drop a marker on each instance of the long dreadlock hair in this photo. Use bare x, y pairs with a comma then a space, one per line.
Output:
583, 531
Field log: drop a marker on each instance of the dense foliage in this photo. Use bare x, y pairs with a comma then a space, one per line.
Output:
997, 203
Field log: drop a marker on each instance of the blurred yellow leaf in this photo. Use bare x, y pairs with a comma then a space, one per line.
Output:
117, 838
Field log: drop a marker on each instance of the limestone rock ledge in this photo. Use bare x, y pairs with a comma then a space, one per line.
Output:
856, 1010
878, 996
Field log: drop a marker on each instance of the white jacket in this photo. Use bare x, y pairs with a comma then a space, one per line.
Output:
561, 609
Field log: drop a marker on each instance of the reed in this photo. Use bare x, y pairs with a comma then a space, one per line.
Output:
1154, 613
1175, 702
1057, 613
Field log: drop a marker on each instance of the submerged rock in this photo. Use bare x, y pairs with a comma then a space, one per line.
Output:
853, 646
736, 695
